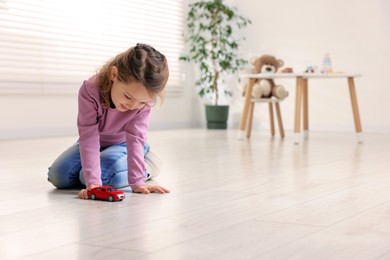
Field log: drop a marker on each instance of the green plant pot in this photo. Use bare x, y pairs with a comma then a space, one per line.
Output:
217, 116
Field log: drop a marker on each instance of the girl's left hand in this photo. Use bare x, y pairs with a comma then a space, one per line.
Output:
83, 194
146, 189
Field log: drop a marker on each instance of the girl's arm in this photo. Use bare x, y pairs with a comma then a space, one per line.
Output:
87, 123
136, 135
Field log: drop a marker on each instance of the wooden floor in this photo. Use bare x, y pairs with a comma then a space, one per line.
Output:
327, 198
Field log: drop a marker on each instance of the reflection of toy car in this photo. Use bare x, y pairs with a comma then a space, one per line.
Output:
106, 193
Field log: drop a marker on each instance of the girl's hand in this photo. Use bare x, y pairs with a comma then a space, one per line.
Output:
83, 194
146, 189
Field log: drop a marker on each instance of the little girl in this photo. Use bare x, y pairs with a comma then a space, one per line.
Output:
113, 118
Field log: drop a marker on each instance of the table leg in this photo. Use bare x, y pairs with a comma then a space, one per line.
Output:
298, 98
280, 122
355, 109
244, 117
305, 93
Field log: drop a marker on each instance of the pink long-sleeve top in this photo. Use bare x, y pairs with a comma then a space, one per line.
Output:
101, 127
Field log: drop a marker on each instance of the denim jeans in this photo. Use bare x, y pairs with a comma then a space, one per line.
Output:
66, 171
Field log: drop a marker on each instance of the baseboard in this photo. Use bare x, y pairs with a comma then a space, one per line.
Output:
9, 134
325, 128
36, 133
173, 125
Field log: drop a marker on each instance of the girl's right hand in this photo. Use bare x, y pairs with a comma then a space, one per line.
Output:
146, 189
83, 194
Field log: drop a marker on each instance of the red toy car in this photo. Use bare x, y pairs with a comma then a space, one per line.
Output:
106, 193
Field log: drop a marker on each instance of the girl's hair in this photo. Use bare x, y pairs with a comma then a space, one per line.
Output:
141, 63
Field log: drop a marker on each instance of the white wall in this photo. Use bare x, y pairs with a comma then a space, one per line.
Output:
356, 33
25, 116
36, 115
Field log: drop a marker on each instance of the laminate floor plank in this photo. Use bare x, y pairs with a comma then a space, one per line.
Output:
262, 198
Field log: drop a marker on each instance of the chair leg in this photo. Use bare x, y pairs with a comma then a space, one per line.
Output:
280, 122
250, 120
271, 117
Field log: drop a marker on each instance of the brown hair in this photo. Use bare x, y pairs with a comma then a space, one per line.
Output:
141, 63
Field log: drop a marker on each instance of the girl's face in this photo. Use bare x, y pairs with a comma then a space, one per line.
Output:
128, 96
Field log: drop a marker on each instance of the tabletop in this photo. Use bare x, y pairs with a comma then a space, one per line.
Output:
302, 75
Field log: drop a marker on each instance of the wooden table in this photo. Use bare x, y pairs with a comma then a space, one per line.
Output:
301, 99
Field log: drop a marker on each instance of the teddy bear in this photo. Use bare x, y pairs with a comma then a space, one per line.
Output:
266, 88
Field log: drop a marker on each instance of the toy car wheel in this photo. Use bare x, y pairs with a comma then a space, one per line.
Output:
93, 196
110, 198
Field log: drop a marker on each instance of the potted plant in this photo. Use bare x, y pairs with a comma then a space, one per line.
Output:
213, 43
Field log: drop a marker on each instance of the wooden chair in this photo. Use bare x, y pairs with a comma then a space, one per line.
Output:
272, 102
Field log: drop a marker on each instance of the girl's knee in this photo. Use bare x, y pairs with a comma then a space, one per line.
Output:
63, 173
62, 177
117, 180
116, 174
55, 178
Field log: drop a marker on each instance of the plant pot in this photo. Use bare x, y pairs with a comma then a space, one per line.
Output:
217, 116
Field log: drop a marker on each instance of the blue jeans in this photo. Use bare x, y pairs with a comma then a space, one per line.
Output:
66, 171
